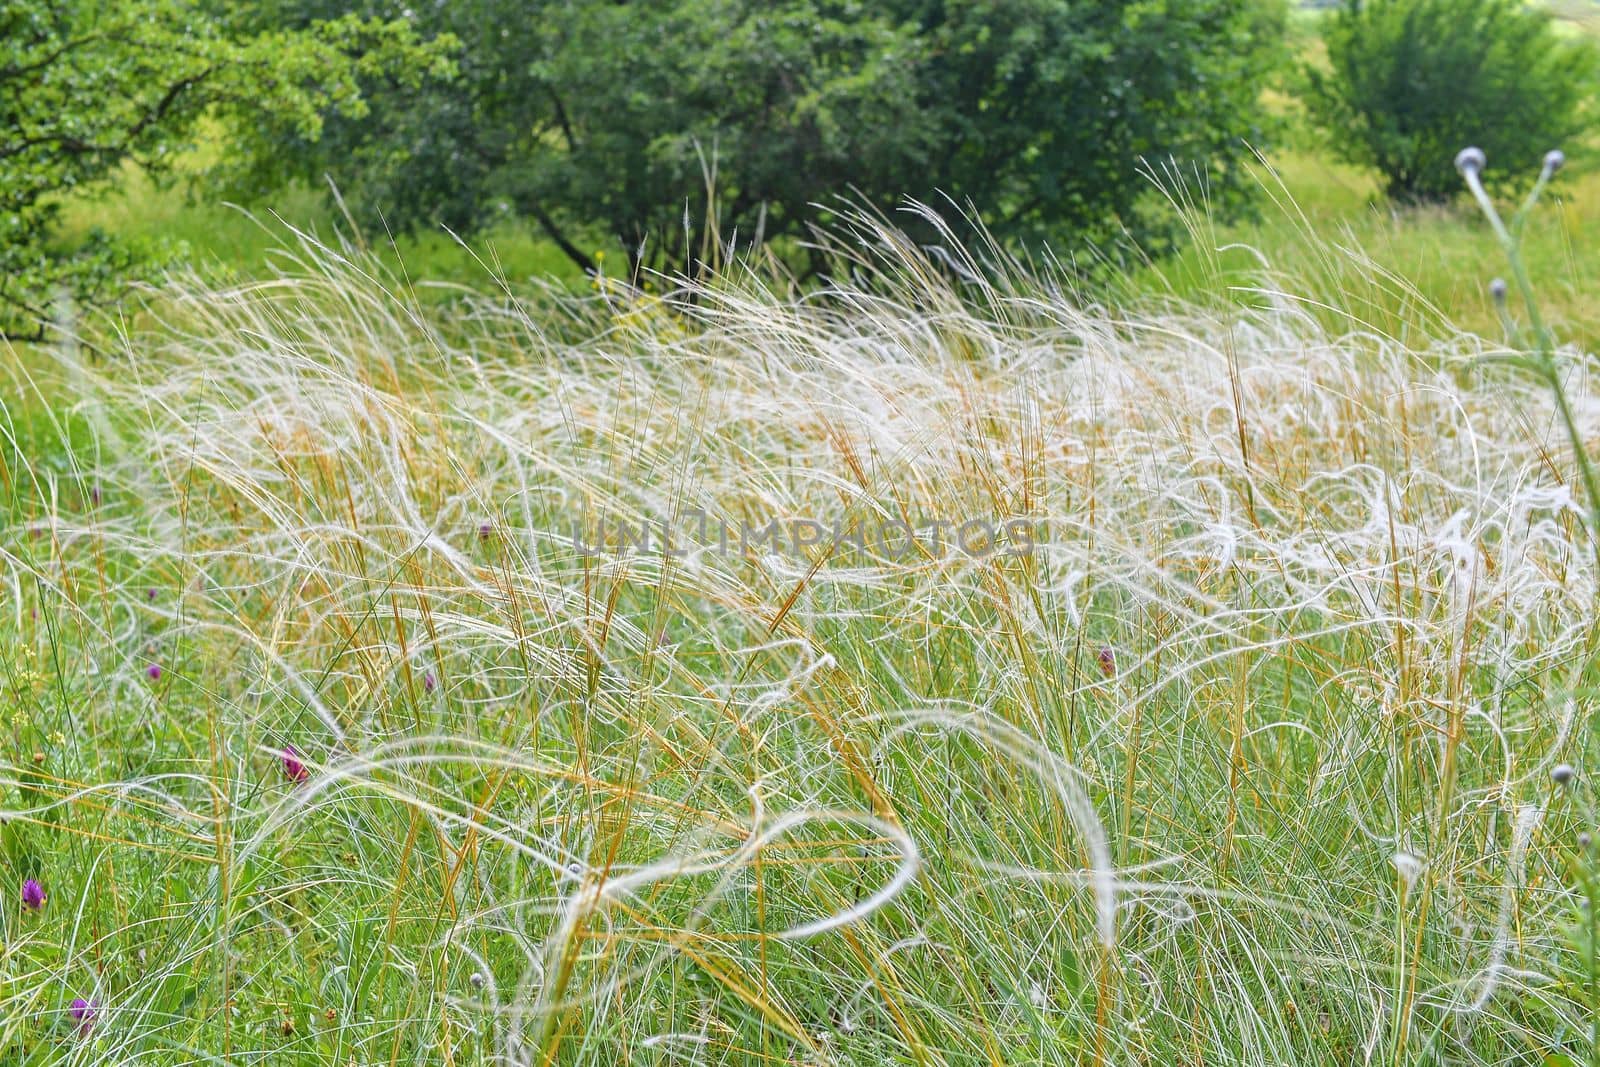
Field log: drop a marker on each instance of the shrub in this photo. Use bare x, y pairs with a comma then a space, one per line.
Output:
1409, 82
613, 119
87, 86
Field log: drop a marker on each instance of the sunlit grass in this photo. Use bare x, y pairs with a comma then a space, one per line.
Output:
227, 242
1407, 267
790, 805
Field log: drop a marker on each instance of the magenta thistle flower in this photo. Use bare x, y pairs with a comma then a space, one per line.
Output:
484, 531
154, 671
83, 1013
292, 766
1108, 661
33, 894
428, 682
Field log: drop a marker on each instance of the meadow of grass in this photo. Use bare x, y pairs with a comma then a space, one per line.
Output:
1248, 761
175, 219
334, 734
1360, 261
1390, 268
1398, 270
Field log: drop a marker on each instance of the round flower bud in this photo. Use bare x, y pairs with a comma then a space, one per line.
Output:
1554, 160
1470, 160
1498, 290
1563, 774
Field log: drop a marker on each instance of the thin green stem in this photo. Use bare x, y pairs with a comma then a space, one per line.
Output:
1544, 345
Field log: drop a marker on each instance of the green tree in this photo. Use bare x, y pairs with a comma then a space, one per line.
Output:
1049, 109
629, 118
86, 85
1411, 82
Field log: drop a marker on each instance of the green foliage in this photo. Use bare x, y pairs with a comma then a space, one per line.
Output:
86, 86
1048, 110
638, 120
1411, 82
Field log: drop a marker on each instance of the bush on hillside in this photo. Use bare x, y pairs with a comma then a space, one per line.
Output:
1410, 82
624, 121
89, 85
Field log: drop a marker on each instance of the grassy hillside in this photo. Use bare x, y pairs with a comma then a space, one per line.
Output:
1324, 235
340, 731
1321, 226
400, 666
230, 242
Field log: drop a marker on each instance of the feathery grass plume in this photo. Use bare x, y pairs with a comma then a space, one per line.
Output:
856, 786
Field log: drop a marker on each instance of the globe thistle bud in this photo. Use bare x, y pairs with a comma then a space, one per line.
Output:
1554, 160
1470, 160
1564, 774
1498, 290
1585, 840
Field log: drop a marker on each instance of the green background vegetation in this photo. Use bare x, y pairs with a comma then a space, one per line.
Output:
1415, 265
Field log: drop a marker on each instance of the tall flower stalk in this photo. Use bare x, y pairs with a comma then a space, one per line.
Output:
1538, 355
1539, 349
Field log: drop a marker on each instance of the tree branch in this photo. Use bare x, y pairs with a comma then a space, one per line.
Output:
548, 224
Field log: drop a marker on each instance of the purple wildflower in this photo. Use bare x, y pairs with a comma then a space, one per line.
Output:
33, 894
154, 671
150, 594
94, 495
428, 682
485, 531
83, 1013
1108, 661
292, 766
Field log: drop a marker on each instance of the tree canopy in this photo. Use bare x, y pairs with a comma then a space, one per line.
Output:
1409, 83
643, 121
86, 85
